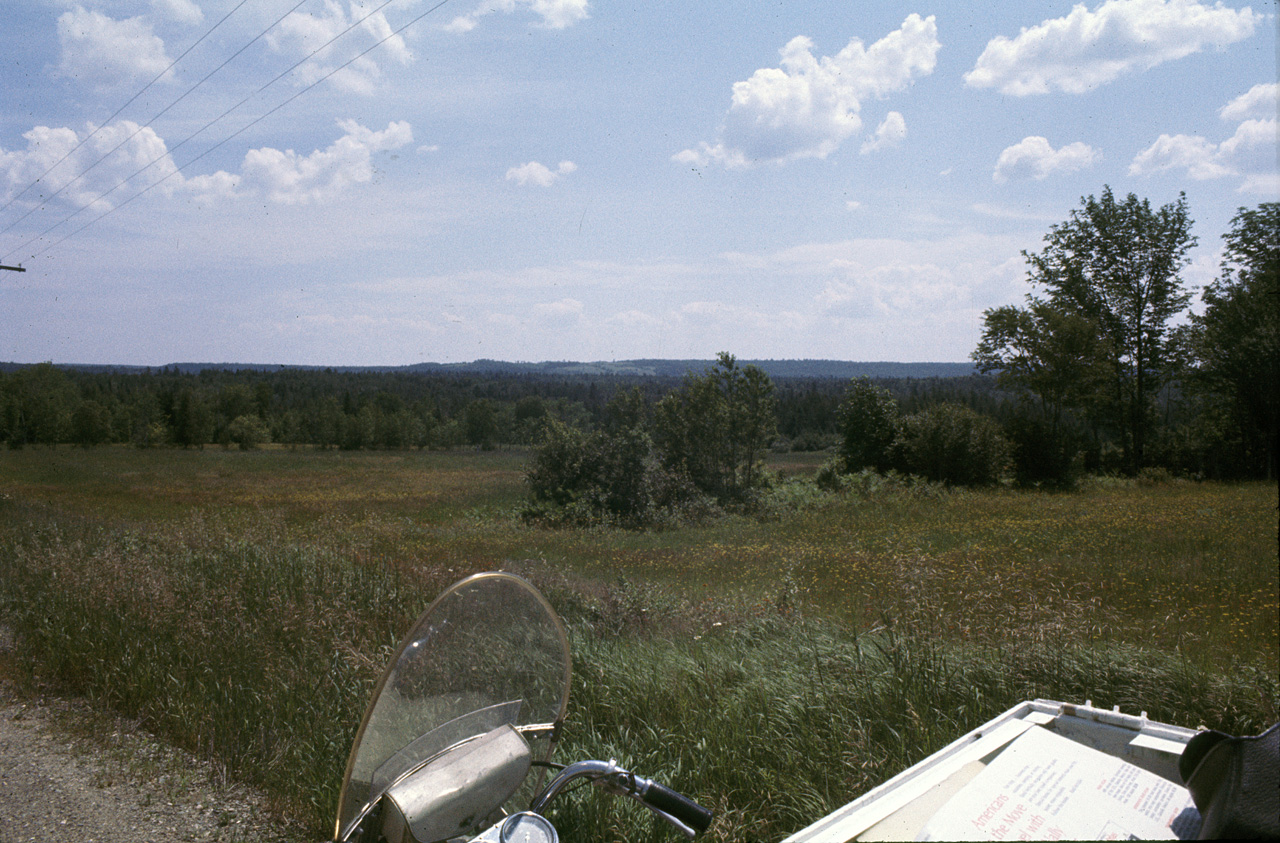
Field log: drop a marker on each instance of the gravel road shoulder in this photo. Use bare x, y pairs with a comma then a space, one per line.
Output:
71, 774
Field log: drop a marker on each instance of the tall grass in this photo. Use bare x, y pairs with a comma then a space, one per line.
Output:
231, 642
774, 719
243, 605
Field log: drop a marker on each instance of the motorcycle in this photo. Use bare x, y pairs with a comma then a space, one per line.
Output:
456, 742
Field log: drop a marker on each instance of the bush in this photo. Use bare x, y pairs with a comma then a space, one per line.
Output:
593, 477
248, 432
1041, 455
952, 444
869, 419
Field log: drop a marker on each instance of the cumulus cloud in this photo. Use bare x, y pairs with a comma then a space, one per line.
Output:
105, 52
181, 11
302, 33
809, 106
1034, 158
290, 178
539, 174
140, 148
143, 158
1249, 153
1260, 102
1196, 155
552, 14
1087, 48
888, 134
894, 289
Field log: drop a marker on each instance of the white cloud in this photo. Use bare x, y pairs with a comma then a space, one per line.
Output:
181, 11
210, 186
1260, 101
301, 33
552, 14
1197, 155
290, 178
558, 14
890, 290
1266, 184
138, 148
1250, 152
539, 174
105, 52
559, 310
888, 134
1034, 158
116, 162
809, 106
282, 176
637, 319
1086, 48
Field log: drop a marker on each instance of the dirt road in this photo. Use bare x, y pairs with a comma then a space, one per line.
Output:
69, 774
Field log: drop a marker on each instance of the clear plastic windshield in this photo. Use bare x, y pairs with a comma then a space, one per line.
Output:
488, 652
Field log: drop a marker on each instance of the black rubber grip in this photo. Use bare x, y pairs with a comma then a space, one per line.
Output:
681, 807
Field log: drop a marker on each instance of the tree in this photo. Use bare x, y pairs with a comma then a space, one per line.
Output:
248, 432
40, 401
191, 420
481, 420
1236, 342
1117, 265
716, 426
90, 424
592, 477
1042, 350
869, 419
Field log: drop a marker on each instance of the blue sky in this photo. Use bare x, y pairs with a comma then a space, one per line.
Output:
580, 179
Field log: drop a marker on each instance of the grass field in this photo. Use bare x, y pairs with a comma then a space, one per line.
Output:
772, 666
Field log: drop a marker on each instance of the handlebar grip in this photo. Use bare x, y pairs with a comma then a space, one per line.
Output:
679, 806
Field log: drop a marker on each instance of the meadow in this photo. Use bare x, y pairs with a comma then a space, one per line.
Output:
773, 665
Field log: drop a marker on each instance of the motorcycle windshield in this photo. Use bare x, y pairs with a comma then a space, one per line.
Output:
488, 652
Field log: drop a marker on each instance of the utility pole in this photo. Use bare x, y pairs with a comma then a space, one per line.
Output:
14, 268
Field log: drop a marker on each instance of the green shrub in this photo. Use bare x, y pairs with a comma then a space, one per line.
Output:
248, 432
1042, 456
952, 444
586, 478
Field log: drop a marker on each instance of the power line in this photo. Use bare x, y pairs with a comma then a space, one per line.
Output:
138, 130
89, 136
242, 129
224, 114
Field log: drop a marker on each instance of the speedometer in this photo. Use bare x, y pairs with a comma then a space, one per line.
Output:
528, 827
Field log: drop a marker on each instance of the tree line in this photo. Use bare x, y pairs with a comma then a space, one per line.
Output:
44, 405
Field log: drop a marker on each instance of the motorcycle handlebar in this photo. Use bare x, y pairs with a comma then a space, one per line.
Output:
674, 804
677, 809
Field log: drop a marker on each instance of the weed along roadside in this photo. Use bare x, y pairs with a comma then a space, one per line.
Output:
772, 665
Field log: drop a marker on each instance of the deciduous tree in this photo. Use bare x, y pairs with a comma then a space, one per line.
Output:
1117, 264
1236, 342
716, 427
869, 419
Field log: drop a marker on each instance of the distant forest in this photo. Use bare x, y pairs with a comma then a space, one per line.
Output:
485, 405
437, 408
